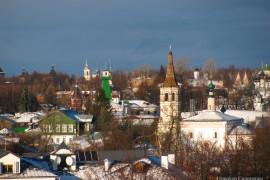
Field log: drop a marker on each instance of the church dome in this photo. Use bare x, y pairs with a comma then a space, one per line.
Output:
211, 85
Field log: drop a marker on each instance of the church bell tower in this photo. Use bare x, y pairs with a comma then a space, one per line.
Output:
86, 72
170, 101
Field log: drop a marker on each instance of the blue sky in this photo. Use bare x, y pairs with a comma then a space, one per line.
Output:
35, 34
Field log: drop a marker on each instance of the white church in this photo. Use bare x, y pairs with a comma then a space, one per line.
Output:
211, 125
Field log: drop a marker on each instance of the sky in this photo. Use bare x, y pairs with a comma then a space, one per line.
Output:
34, 34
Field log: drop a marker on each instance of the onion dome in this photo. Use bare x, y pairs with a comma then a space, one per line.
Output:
211, 86
223, 109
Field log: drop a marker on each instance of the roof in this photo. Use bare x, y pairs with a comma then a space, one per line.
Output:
84, 117
5, 152
141, 104
27, 116
7, 119
245, 129
29, 170
6, 131
62, 150
20, 129
212, 116
71, 114
170, 80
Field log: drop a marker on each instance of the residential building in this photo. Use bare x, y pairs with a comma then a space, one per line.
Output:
64, 125
76, 99
9, 162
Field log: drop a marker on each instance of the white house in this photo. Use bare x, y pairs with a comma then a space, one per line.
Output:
9, 162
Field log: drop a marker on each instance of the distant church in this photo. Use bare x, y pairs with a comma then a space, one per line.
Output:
87, 75
262, 89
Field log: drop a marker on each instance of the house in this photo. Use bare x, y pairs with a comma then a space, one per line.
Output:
28, 119
64, 125
142, 119
63, 158
149, 167
9, 162
15, 167
143, 107
136, 82
6, 122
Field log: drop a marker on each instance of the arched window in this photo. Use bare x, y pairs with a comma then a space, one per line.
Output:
166, 97
173, 97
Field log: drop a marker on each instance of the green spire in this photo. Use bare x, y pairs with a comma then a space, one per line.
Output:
211, 88
105, 84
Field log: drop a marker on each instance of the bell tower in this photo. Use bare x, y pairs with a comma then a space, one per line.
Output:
211, 97
170, 101
86, 72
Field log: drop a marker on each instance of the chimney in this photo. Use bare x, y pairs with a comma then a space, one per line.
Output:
107, 164
171, 158
164, 161
192, 107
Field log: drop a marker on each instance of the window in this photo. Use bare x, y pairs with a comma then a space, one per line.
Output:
8, 168
57, 140
70, 140
70, 128
87, 127
58, 128
64, 128
50, 128
45, 128
191, 135
215, 134
64, 140
166, 97
173, 97
57, 118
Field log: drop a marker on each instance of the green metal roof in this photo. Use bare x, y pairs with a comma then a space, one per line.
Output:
19, 129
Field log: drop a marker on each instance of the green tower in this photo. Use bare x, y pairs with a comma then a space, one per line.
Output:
105, 83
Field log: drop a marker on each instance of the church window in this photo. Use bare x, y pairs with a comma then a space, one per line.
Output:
173, 98
191, 135
215, 134
166, 96
87, 73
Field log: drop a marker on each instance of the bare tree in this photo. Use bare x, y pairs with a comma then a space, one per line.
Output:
210, 66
